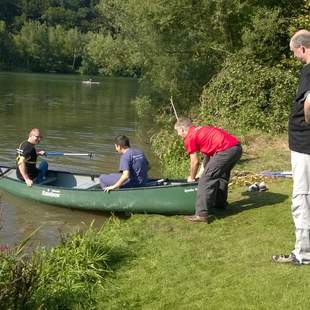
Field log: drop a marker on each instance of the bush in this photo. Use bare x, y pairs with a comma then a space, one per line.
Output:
143, 106
249, 96
170, 150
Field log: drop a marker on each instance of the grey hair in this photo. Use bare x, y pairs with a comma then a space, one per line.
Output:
183, 122
301, 37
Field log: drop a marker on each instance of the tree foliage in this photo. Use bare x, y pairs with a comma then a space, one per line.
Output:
43, 21
177, 45
48, 48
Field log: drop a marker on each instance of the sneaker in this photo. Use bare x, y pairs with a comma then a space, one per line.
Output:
197, 219
282, 259
262, 187
254, 187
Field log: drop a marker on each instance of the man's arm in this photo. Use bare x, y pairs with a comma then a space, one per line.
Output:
307, 109
23, 171
124, 177
193, 167
201, 168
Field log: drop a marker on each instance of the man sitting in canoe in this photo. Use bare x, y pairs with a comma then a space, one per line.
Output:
27, 159
133, 167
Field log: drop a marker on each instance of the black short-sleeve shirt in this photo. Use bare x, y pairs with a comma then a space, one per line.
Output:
28, 151
298, 129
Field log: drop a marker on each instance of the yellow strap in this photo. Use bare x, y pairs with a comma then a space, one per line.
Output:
26, 161
19, 156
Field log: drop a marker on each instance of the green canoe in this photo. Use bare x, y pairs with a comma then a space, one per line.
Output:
82, 191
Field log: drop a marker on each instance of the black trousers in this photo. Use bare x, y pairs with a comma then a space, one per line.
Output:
213, 183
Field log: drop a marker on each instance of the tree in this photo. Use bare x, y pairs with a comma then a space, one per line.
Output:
178, 45
49, 48
8, 10
32, 44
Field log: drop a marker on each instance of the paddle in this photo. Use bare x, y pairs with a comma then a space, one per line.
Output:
68, 154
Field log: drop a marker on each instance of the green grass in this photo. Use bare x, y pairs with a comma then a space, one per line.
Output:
224, 265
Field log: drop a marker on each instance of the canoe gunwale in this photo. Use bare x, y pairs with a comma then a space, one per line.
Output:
179, 182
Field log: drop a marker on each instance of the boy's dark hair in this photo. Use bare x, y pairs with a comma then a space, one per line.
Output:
122, 141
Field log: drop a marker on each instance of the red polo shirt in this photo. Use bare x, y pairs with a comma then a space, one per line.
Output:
208, 140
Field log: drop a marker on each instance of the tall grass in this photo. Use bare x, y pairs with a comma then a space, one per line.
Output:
19, 276
64, 277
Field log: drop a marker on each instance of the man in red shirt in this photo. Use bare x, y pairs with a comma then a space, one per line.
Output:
221, 152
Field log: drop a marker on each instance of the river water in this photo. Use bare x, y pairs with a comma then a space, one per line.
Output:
74, 118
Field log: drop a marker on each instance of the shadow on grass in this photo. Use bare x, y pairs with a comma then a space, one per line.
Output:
251, 201
119, 257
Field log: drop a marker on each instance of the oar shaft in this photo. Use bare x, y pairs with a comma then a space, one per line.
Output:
67, 154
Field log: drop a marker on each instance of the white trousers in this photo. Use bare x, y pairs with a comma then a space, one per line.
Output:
301, 205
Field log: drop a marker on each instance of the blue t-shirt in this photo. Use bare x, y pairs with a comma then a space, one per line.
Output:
136, 163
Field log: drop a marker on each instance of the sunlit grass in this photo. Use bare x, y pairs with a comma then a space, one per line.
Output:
225, 265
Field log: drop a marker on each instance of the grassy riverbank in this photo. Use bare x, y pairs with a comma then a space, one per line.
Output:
163, 262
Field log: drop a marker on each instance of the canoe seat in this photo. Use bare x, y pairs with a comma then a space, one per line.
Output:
87, 185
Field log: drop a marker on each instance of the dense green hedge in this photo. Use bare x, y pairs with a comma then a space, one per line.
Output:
249, 96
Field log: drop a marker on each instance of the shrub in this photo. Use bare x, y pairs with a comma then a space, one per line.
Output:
170, 150
249, 96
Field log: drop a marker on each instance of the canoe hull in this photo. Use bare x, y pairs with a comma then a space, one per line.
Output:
170, 199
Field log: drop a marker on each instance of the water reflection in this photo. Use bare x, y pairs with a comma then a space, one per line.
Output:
22, 217
74, 118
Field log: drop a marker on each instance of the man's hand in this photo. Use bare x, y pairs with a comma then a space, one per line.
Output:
29, 182
190, 179
41, 153
109, 188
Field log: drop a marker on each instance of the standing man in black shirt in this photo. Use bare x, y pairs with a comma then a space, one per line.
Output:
27, 159
299, 144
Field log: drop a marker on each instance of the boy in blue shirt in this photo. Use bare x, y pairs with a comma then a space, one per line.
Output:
133, 167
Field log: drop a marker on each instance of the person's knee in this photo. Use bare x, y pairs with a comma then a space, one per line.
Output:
104, 180
43, 165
